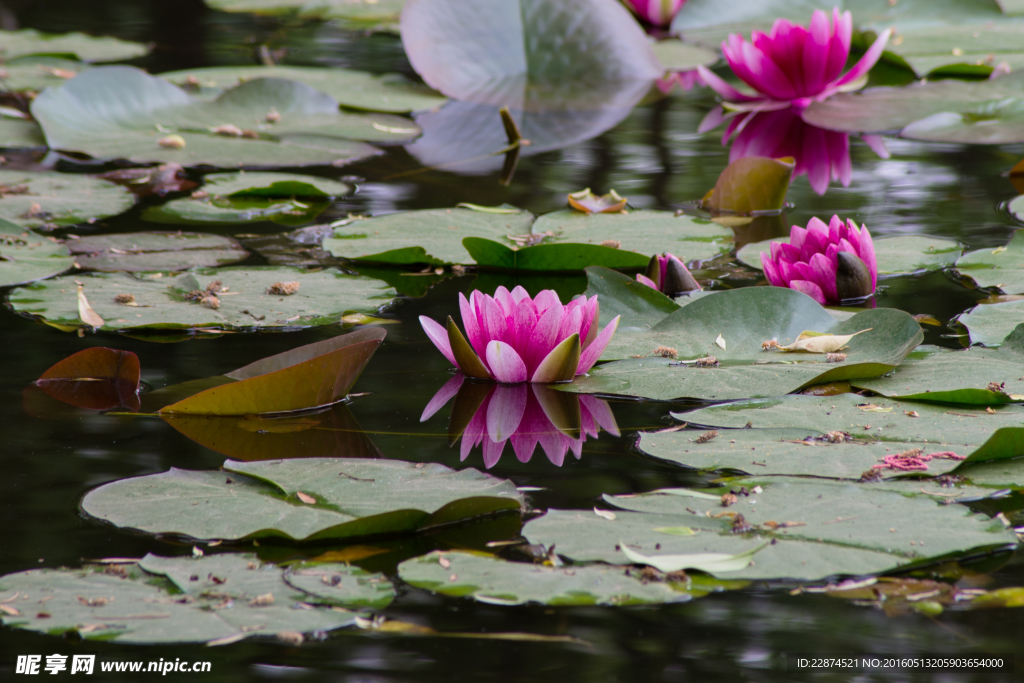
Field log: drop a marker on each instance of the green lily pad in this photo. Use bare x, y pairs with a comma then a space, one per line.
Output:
247, 197
391, 93
225, 597
1002, 267
20, 133
433, 236
644, 232
341, 584
160, 305
256, 6
762, 452
37, 73
26, 256
742, 319
77, 45
49, 200
983, 112
353, 498
451, 45
357, 14
965, 430
975, 376
122, 112
675, 55
835, 528
928, 34
901, 254
148, 251
990, 324
492, 580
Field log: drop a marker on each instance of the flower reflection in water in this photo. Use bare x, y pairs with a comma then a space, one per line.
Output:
525, 414
822, 155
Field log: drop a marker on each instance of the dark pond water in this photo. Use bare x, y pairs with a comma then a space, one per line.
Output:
655, 158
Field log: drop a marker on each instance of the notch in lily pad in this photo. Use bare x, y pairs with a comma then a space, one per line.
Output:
751, 184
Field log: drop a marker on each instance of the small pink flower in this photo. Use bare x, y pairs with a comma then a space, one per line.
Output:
656, 12
523, 415
668, 275
829, 263
687, 80
793, 64
513, 338
822, 155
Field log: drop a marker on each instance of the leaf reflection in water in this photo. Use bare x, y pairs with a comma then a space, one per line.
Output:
822, 155
525, 414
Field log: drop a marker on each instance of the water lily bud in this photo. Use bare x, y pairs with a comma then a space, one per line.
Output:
653, 272
853, 279
678, 279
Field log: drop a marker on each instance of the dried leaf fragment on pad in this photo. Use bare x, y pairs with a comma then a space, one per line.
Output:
283, 288
85, 312
810, 341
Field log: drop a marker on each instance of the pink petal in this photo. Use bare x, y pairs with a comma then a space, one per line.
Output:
474, 332
593, 352
543, 338
545, 299
519, 294
825, 275
439, 335
815, 48
492, 452
504, 363
643, 279
600, 411
867, 255
869, 59
771, 272
728, 93
810, 289
505, 411
838, 50
877, 145
591, 321
443, 395
713, 119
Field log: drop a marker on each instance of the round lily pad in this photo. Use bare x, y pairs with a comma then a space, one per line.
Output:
492, 580
36, 73
77, 45
990, 324
356, 89
897, 255
20, 133
148, 251
304, 499
227, 597
161, 302
1002, 267
26, 256
49, 200
247, 197
122, 112
675, 55
801, 529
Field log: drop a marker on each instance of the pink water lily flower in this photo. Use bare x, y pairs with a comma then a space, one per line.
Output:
793, 64
656, 12
492, 415
668, 275
829, 263
513, 338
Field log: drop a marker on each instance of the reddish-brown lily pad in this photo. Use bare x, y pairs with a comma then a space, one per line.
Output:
97, 379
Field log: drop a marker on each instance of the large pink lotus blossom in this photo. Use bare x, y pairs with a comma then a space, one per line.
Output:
668, 275
656, 12
822, 155
513, 338
829, 263
493, 415
794, 65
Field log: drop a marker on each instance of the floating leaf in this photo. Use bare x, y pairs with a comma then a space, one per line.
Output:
34, 200
161, 302
36, 73
896, 255
711, 563
443, 38
433, 237
245, 197
990, 324
819, 342
900, 596
310, 376
587, 202
121, 112
20, 133
751, 184
357, 498
26, 256
148, 251
746, 317
97, 379
78, 45
1002, 267
355, 89
814, 528
675, 55
974, 376
491, 580
141, 602
85, 311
